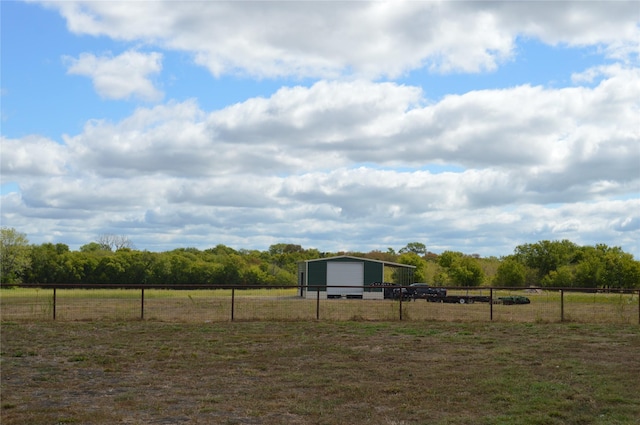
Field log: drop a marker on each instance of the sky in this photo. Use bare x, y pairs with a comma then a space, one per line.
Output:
341, 126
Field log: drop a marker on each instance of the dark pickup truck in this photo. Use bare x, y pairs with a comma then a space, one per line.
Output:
439, 295
423, 290
413, 291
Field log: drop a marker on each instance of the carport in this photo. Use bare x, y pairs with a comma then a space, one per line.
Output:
349, 277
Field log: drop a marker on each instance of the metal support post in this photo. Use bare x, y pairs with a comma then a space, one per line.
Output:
54, 303
562, 305
233, 302
491, 304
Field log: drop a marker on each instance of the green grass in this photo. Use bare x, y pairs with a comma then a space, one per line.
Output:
18, 293
283, 304
327, 372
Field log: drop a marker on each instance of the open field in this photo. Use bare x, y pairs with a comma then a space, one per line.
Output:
216, 305
356, 372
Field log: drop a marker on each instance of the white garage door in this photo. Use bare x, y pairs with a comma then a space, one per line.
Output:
350, 275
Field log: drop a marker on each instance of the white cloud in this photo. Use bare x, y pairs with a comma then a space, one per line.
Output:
167, 139
122, 76
345, 162
318, 39
32, 156
531, 143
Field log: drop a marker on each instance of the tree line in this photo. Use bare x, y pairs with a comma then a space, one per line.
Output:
114, 260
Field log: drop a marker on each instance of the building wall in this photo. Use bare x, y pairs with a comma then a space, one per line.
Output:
317, 279
373, 272
314, 275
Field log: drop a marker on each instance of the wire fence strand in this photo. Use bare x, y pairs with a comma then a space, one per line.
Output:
243, 303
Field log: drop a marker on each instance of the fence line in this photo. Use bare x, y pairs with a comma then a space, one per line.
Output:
225, 302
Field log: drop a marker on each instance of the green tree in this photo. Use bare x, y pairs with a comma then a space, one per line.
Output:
93, 247
285, 257
78, 267
466, 271
563, 277
590, 272
111, 270
461, 269
381, 256
231, 272
603, 266
253, 275
448, 258
47, 263
413, 259
621, 271
179, 267
546, 256
414, 247
137, 266
221, 249
510, 273
14, 256
161, 269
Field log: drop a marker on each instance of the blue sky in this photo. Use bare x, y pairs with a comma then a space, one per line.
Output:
467, 126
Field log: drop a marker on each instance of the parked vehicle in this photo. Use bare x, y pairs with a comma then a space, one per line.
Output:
439, 295
406, 294
415, 291
459, 299
423, 290
392, 290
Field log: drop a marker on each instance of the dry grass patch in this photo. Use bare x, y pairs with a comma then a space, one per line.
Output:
319, 373
282, 304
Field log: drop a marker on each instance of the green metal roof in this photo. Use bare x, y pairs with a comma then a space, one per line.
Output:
386, 263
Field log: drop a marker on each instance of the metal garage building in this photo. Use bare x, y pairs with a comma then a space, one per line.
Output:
347, 276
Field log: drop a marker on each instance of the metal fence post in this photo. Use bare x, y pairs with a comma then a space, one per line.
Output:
400, 296
54, 303
233, 302
317, 303
491, 304
142, 304
562, 305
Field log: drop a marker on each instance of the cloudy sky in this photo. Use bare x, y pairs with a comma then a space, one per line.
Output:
467, 126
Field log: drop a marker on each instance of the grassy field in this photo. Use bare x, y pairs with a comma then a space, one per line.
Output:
327, 372
283, 304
